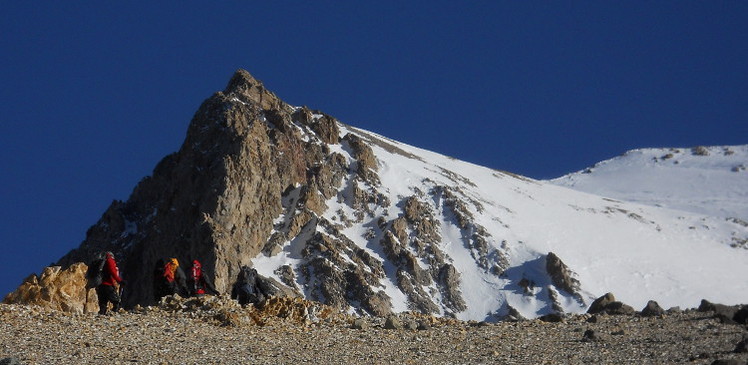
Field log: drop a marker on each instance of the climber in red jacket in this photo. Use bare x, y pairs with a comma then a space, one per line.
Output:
106, 291
199, 283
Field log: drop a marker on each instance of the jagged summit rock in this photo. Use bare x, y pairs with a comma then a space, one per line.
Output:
250, 90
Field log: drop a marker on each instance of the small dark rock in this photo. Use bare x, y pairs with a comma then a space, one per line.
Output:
10, 361
525, 285
652, 309
600, 303
741, 316
589, 335
618, 308
423, 326
742, 346
594, 319
728, 362
700, 151
552, 317
393, 323
705, 306
358, 324
608, 304
411, 325
702, 355
227, 318
723, 312
513, 315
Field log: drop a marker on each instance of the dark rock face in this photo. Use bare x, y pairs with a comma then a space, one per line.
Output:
707, 306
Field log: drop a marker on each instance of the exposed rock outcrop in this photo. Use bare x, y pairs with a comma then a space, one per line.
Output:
58, 289
561, 276
600, 303
366, 165
652, 309
336, 282
608, 304
411, 242
735, 314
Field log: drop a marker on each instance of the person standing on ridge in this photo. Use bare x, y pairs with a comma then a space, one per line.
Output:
106, 291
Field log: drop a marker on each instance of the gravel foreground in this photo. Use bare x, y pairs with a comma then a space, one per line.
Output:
153, 335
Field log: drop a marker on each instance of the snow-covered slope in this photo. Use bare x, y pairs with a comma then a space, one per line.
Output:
706, 180
639, 252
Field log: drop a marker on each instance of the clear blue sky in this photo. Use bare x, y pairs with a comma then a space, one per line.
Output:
94, 94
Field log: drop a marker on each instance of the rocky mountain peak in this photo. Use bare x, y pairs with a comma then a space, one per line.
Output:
250, 90
366, 224
248, 158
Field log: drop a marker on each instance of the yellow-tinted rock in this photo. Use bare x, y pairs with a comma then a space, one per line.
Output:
62, 290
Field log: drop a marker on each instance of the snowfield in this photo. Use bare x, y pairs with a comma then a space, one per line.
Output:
656, 224
706, 180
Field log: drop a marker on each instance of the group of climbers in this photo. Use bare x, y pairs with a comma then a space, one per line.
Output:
169, 279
